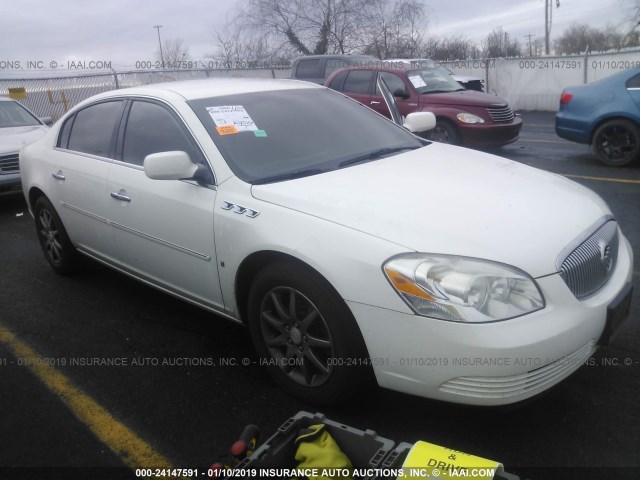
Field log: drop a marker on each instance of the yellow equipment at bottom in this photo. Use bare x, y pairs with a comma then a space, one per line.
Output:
426, 460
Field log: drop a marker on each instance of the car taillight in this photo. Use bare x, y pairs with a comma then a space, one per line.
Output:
565, 98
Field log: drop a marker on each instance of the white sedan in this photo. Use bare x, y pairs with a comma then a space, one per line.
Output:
354, 251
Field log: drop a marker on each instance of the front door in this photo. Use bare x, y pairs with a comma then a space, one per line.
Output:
163, 228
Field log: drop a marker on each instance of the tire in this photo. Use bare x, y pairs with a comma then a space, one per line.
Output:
444, 132
617, 143
311, 345
55, 243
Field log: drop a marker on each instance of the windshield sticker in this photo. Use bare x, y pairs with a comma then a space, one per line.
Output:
260, 133
234, 115
227, 129
417, 81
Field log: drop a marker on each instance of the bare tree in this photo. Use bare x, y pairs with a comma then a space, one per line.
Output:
633, 16
310, 26
452, 48
237, 48
174, 51
498, 44
395, 29
580, 37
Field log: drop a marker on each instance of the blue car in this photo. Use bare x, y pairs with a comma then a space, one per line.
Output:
605, 115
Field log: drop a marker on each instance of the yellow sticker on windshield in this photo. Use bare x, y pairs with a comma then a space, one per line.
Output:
426, 460
227, 129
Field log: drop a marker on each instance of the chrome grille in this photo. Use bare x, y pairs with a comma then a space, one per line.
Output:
588, 266
501, 113
9, 163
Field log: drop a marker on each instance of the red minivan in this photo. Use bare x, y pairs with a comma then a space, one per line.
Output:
464, 117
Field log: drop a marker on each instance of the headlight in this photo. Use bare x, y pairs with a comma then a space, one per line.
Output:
469, 118
462, 289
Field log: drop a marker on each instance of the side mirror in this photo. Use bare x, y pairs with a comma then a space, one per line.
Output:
46, 120
169, 166
417, 122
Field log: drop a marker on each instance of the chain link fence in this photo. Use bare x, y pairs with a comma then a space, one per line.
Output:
52, 97
528, 84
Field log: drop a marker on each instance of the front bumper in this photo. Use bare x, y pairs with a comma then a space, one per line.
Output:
490, 135
494, 363
10, 182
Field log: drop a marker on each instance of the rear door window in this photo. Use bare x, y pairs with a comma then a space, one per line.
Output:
94, 128
358, 81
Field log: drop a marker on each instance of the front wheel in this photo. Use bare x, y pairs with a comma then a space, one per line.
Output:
444, 132
55, 243
305, 335
617, 143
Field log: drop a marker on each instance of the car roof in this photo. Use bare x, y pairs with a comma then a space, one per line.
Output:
212, 87
5, 99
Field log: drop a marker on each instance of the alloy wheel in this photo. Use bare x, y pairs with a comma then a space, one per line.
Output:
296, 336
50, 234
617, 143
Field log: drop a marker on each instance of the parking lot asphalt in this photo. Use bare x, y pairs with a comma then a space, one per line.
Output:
182, 383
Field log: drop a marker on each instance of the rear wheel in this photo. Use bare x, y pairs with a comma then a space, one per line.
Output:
617, 143
305, 335
55, 243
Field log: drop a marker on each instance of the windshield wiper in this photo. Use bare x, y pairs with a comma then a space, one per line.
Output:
373, 155
288, 176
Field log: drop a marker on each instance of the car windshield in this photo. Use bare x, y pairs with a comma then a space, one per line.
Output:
12, 114
433, 80
279, 135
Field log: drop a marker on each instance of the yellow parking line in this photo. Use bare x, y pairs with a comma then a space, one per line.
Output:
134, 451
601, 179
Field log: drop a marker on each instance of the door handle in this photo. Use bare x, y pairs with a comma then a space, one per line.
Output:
58, 175
373, 102
119, 196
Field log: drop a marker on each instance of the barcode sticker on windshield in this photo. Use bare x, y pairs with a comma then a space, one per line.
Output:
232, 115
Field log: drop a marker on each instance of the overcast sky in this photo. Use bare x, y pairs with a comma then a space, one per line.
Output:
121, 31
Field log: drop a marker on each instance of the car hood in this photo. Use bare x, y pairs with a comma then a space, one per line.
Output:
451, 200
470, 98
12, 139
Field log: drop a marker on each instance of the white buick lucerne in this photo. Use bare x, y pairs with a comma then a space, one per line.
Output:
353, 250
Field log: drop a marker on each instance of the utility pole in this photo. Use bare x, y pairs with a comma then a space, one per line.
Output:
548, 12
158, 27
528, 37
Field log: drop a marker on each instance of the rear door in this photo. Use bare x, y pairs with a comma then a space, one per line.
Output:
358, 84
163, 228
82, 160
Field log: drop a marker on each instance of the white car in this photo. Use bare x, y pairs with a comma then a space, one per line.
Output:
18, 127
353, 250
